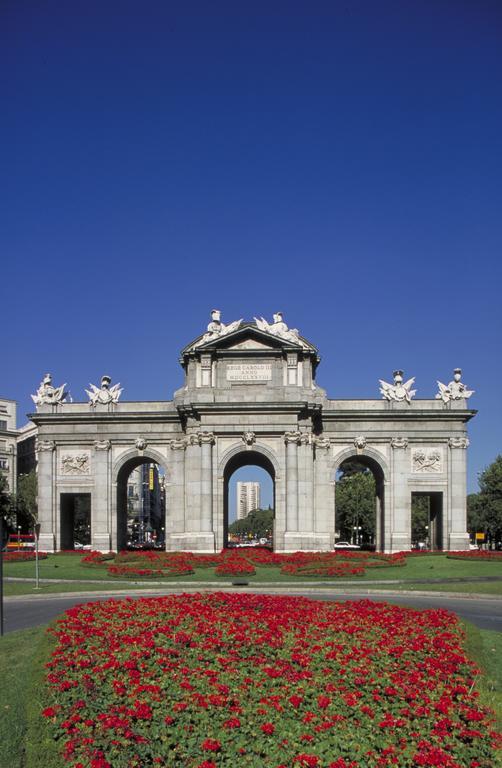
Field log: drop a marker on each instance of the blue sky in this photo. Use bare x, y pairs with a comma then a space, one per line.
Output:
338, 161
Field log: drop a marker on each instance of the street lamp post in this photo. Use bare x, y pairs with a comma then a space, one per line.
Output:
37, 571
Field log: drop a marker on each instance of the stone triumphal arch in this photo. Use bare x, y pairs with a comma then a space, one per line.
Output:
250, 397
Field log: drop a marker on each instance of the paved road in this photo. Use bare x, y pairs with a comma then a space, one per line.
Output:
485, 613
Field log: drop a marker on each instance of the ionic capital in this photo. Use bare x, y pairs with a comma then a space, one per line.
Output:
458, 442
292, 437
399, 442
102, 445
45, 445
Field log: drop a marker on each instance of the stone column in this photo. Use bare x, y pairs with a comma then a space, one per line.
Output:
324, 507
46, 450
306, 485
292, 439
175, 502
455, 536
206, 481
101, 529
399, 535
192, 485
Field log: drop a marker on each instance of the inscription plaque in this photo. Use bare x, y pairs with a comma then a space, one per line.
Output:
249, 372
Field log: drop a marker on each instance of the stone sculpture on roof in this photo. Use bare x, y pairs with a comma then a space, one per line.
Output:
47, 394
216, 328
454, 390
279, 328
398, 392
104, 394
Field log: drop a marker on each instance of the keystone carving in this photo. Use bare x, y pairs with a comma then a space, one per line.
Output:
399, 442
360, 442
141, 444
249, 438
458, 442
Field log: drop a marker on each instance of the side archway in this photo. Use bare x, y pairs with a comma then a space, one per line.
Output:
376, 464
151, 521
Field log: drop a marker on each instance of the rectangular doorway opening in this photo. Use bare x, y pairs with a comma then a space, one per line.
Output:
75, 520
427, 520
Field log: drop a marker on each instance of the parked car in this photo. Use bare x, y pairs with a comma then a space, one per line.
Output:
346, 545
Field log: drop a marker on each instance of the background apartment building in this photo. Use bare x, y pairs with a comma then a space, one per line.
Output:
248, 498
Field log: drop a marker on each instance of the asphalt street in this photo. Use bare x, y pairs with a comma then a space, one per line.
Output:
485, 613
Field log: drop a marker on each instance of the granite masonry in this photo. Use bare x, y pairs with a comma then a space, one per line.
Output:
250, 397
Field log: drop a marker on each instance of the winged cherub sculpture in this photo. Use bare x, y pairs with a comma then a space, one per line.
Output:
398, 391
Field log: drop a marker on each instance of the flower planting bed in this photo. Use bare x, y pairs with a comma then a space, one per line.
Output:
242, 562
23, 557
219, 680
480, 555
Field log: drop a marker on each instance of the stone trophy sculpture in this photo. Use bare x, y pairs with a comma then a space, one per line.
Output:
279, 328
105, 394
454, 390
46, 394
398, 392
216, 328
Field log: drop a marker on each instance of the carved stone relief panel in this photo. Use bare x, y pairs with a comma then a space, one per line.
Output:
424, 460
75, 462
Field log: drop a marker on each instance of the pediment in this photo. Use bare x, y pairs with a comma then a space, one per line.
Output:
246, 337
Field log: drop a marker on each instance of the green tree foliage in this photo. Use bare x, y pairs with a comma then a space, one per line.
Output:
259, 523
355, 504
484, 509
419, 517
26, 500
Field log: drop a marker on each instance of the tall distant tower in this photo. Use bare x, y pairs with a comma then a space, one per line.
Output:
248, 498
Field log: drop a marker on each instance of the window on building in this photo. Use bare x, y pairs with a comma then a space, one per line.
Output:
4, 464
3, 424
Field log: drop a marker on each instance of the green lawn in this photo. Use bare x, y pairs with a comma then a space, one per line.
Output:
437, 567
24, 742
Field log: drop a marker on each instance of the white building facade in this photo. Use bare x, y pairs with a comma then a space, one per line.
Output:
247, 498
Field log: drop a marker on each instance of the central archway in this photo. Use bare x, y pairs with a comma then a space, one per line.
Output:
241, 459
141, 507
372, 534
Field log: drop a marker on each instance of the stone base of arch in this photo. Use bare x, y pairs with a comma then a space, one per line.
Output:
191, 542
296, 541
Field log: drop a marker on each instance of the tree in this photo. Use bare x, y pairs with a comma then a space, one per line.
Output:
484, 509
355, 505
26, 500
259, 523
420, 519
6, 506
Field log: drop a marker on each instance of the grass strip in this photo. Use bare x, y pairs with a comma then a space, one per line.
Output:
22, 658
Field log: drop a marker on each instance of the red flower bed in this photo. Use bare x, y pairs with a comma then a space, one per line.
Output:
327, 569
235, 568
129, 571
481, 554
97, 558
12, 557
226, 680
